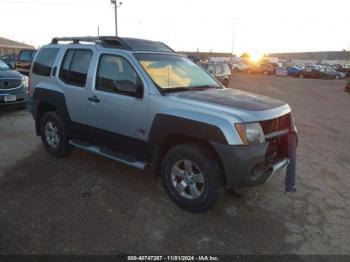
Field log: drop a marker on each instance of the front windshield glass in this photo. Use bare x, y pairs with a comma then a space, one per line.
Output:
175, 72
3, 66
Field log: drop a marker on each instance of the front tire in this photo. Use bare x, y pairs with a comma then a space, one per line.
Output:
190, 177
53, 134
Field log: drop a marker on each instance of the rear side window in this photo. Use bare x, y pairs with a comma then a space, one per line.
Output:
44, 61
75, 67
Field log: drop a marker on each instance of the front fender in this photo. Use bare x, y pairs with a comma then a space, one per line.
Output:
204, 126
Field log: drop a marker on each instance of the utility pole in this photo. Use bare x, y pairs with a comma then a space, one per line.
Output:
116, 5
233, 33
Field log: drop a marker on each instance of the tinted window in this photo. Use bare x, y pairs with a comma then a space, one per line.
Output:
116, 75
44, 61
75, 67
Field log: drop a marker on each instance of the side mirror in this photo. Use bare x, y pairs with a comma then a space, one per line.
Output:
128, 87
139, 90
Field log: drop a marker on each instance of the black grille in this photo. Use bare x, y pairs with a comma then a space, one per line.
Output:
275, 124
9, 83
277, 146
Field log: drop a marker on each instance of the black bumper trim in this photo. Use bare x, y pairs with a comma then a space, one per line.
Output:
239, 161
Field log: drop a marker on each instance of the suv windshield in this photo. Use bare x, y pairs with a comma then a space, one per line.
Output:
3, 66
173, 72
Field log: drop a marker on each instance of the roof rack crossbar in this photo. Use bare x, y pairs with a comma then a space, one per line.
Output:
107, 41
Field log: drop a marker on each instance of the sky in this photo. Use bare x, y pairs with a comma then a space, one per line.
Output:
253, 26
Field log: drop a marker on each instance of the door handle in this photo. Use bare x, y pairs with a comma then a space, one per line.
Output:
94, 99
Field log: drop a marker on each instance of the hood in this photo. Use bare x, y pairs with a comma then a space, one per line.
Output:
10, 74
234, 98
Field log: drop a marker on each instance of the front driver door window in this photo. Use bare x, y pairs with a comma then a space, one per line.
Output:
115, 75
120, 103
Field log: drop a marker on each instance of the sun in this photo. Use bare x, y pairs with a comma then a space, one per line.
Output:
255, 56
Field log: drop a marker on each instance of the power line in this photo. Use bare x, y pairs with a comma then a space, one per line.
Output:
44, 3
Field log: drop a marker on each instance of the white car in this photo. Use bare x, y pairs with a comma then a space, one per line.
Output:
237, 67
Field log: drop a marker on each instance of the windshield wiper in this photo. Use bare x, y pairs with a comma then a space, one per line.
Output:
189, 88
176, 89
203, 87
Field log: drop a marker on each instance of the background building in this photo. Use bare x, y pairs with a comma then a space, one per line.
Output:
10, 47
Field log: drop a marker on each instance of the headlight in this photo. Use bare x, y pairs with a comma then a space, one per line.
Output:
250, 133
25, 83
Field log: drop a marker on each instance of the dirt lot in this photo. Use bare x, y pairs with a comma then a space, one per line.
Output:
86, 204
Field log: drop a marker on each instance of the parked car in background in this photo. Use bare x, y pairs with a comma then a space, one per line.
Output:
221, 71
10, 60
342, 68
275, 66
239, 67
293, 70
336, 74
21, 62
314, 72
266, 69
24, 61
13, 86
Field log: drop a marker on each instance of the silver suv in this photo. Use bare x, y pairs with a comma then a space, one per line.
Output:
140, 103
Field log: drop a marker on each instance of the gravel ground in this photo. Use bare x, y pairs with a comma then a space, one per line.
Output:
86, 204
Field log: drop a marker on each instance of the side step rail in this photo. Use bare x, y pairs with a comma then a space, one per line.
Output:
109, 153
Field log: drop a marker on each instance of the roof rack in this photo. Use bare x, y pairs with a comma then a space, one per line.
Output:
132, 44
106, 41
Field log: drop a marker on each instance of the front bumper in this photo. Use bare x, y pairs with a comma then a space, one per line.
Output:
251, 165
21, 99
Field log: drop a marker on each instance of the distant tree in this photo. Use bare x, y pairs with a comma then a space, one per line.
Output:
245, 55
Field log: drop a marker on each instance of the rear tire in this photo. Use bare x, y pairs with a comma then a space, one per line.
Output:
54, 135
190, 176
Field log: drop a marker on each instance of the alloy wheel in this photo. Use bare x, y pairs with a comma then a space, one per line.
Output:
187, 179
51, 134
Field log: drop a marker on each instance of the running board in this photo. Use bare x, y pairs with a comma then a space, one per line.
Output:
109, 153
